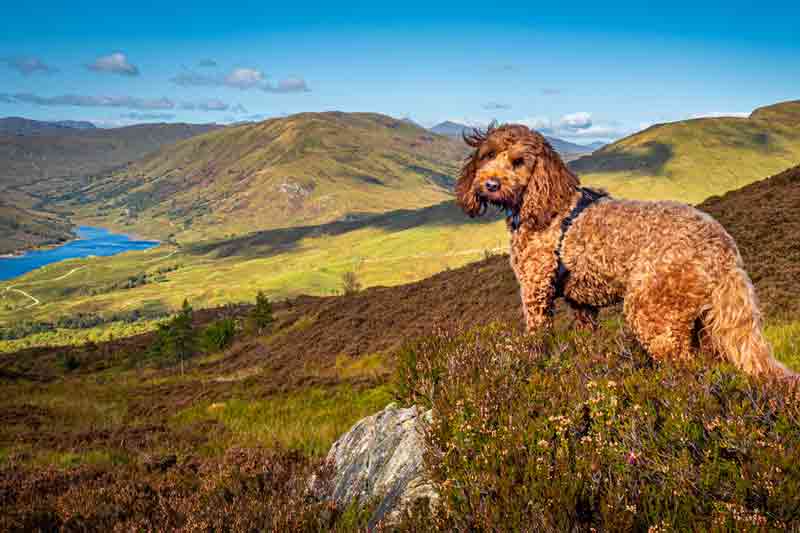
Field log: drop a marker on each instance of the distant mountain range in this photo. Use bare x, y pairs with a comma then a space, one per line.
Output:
308, 168
565, 148
24, 126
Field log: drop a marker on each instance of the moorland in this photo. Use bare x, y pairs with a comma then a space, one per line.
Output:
387, 293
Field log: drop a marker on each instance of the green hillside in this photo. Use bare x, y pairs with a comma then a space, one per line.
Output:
23, 228
694, 159
41, 162
308, 168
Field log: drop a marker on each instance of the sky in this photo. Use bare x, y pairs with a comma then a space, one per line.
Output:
583, 71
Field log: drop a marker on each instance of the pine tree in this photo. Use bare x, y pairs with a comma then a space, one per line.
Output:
262, 312
181, 335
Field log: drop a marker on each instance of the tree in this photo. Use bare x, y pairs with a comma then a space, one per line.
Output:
350, 283
176, 338
182, 337
261, 315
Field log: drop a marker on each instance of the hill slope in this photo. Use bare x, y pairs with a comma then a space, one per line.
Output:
764, 218
306, 168
694, 159
42, 161
22, 228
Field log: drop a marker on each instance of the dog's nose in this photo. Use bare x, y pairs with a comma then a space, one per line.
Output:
492, 185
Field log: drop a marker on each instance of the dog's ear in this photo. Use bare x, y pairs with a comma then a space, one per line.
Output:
465, 196
549, 191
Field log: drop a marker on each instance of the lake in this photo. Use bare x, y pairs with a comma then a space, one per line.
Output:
90, 241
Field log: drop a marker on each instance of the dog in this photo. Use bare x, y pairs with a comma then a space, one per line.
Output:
676, 270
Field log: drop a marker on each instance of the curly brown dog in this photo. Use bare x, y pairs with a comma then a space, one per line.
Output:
677, 270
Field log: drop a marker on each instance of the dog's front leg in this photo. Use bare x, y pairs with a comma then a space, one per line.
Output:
535, 275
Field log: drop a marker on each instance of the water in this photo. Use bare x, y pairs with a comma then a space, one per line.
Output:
90, 241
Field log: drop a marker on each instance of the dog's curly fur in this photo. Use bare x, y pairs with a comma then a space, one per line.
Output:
677, 270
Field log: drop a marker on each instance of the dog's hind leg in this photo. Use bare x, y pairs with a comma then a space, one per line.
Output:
664, 335
662, 309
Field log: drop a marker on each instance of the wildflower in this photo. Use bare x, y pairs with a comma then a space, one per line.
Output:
632, 458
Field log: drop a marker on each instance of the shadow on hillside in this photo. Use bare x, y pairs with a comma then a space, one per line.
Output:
651, 160
268, 242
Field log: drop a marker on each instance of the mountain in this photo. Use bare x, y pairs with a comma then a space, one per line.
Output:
565, 148
693, 159
303, 169
450, 129
24, 126
38, 163
22, 228
42, 161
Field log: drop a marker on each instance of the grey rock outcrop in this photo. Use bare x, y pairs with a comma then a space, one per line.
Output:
381, 457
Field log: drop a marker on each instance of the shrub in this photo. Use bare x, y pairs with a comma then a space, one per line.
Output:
261, 315
218, 335
69, 362
176, 339
245, 490
573, 433
350, 283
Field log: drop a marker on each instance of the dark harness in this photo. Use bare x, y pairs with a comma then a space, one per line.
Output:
588, 197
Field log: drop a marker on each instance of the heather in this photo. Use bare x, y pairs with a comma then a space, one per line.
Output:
579, 432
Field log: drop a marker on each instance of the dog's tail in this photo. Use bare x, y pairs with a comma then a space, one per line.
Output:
733, 323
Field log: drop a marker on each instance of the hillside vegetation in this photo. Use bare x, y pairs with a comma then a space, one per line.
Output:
568, 429
390, 249
304, 169
22, 228
694, 159
42, 161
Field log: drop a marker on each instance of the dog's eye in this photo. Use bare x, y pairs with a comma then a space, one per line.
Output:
518, 162
487, 155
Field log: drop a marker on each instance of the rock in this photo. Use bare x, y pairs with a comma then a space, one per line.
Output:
381, 458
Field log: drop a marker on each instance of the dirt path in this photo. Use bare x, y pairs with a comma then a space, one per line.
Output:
35, 299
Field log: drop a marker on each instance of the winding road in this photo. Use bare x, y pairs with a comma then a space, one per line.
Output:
36, 301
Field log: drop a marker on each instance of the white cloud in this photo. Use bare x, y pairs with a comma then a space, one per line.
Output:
148, 116
496, 106
116, 63
577, 121
28, 65
122, 102
542, 124
717, 114
242, 79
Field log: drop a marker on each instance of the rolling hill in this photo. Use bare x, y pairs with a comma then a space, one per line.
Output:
43, 161
304, 169
694, 159
22, 228
39, 163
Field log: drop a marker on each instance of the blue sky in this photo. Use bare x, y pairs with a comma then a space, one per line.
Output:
583, 71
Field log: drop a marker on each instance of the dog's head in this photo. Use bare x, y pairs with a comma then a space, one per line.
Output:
515, 169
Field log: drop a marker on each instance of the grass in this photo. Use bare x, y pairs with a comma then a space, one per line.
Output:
694, 159
308, 421
785, 340
298, 170
315, 265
